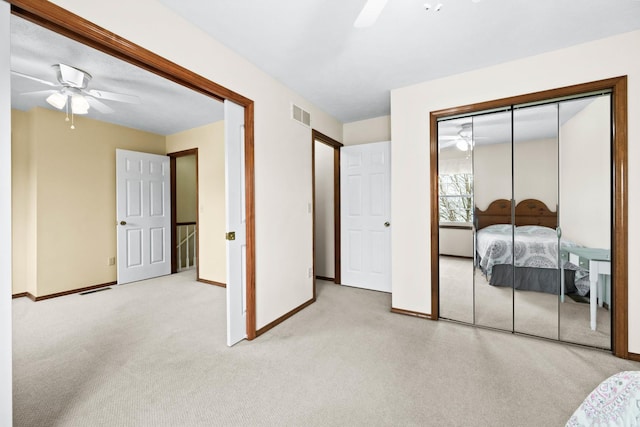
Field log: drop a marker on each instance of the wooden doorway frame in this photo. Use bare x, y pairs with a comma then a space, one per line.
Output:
619, 235
61, 21
324, 139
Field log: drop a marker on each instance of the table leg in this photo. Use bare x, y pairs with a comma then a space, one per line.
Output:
593, 293
601, 282
561, 283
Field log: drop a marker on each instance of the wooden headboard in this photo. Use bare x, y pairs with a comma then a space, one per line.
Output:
527, 212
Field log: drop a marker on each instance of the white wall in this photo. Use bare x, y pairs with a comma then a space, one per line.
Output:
456, 242
365, 131
535, 172
324, 211
6, 417
411, 105
585, 180
282, 149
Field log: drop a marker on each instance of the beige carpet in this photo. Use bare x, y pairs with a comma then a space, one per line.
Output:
153, 354
536, 313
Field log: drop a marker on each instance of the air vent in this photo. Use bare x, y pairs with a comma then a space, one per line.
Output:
300, 115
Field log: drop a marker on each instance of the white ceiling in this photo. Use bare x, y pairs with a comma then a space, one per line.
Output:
312, 47
165, 108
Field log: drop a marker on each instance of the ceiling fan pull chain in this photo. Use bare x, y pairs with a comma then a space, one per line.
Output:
72, 125
67, 109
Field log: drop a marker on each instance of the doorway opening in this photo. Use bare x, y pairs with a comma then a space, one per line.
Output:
184, 211
325, 165
63, 22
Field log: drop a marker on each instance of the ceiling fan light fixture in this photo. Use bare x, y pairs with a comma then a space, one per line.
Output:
79, 104
57, 100
369, 13
462, 145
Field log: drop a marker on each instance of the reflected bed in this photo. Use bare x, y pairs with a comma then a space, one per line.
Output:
536, 249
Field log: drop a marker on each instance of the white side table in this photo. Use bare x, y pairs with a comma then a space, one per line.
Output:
598, 261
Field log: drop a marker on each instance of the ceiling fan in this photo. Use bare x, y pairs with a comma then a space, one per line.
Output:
463, 139
71, 91
372, 9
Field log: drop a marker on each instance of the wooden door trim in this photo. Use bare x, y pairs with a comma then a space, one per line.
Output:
174, 210
619, 235
60, 20
318, 136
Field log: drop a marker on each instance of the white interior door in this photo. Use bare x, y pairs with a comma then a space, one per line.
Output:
143, 199
236, 223
365, 200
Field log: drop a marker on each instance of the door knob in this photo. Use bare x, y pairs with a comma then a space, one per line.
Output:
123, 222
386, 224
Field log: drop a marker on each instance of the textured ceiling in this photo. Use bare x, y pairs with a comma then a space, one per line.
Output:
312, 47
165, 107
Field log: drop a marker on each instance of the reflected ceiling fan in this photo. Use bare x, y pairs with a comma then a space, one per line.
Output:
463, 140
71, 92
373, 8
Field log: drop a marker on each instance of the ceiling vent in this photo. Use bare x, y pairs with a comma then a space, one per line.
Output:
300, 115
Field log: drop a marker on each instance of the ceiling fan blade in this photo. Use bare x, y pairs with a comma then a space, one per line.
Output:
369, 13
112, 96
38, 92
71, 76
100, 106
446, 144
35, 79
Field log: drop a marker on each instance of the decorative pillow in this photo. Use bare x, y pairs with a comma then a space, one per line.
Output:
536, 230
499, 228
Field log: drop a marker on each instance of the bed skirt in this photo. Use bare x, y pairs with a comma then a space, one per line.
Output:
533, 279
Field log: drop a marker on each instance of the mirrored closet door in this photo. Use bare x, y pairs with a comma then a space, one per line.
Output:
525, 219
535, 190
456, 196
493, 278
585, 220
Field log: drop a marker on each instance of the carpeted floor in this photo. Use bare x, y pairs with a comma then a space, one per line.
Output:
153, 353
536, 313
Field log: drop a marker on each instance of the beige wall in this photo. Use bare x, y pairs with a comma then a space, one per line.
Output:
282, 149
324, 206
410, 162
22, 204
365, 131
186, 194
585, 177
535, 172
70, 199
209, 140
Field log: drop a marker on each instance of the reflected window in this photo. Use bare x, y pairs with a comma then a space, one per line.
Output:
456, 202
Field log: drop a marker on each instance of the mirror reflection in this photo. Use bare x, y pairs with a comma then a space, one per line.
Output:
525, 219
585, 220
535, 189
493, 174
455, 195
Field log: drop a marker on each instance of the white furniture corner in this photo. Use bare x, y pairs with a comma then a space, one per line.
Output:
598, 261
